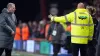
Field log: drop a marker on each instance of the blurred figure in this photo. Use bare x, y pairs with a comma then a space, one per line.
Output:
98, 36
20, 24
42, 24
25, 34
34, 26
56, 30
82, 29
18, 33
46, 30
34, 29
92, 44
30, 29
7, 29
17, 38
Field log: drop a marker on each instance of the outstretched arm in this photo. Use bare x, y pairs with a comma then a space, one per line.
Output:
66, 18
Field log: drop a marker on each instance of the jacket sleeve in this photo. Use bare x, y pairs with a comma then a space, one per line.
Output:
67, 18
91, 28
4, 24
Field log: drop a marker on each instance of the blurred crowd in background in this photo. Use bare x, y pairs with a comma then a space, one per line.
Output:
30, 30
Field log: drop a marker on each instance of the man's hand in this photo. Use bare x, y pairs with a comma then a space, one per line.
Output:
49, 16
13, 33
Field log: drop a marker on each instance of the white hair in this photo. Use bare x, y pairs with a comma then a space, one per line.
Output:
10, 5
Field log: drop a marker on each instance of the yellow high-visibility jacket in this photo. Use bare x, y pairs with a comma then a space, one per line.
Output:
82, 27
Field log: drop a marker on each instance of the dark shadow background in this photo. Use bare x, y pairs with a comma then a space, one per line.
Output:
28, 10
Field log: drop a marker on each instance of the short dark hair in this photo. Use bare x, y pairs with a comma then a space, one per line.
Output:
10, 5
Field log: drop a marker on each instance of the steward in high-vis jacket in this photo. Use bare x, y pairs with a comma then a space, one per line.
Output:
82, 28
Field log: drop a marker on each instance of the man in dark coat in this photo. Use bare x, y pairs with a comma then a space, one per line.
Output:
91, 50
7, 29
56, 30
98, 45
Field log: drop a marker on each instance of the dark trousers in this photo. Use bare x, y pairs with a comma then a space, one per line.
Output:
56, 49
68, 44
91, 50
98, 50
7, 51
77, 47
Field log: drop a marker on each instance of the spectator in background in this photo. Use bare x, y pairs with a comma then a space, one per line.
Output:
46, 30
34, 29
20, 24
42, 24
38, 33
18, 36
25, 34
30, 29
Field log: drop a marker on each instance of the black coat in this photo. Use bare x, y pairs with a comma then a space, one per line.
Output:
95, 21
59, 29
98, 28
7, 25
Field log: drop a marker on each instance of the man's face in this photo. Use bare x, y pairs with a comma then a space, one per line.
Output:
12, 9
